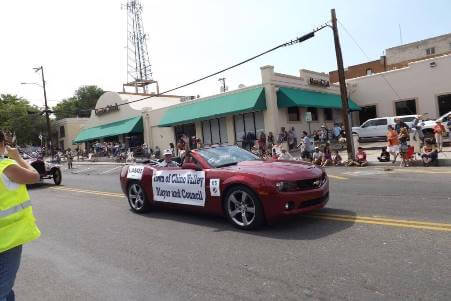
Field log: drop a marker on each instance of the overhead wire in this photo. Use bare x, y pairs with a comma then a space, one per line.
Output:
289, 43
368, 58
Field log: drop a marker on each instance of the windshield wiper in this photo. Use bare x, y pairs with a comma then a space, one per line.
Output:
227, 164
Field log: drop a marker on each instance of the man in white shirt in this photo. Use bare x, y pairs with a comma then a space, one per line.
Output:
285, 155
317, 156
167, 161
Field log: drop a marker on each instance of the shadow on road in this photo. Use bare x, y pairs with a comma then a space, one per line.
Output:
41, 185
300, 227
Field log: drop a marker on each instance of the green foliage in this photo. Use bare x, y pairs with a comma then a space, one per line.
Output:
19, 116
81, 104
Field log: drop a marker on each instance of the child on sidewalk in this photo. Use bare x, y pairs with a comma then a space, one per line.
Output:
336, 158
384, 156
360, 158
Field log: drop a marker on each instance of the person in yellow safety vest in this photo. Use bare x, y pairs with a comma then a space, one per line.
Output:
17, 223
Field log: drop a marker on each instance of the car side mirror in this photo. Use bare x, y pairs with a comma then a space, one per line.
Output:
192, 166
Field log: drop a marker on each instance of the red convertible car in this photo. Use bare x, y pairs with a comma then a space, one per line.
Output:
230, 181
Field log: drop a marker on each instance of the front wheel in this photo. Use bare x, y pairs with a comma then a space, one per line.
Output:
137, 198
243, 208
57, 177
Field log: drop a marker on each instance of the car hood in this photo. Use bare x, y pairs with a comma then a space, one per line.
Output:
278, 170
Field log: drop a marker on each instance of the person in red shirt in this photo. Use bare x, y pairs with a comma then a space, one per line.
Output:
360, 158
439, 130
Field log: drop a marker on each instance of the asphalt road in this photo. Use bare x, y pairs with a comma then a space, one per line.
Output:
385, 235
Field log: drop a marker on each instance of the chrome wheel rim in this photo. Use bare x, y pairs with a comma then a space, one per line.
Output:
136, 196
241, 208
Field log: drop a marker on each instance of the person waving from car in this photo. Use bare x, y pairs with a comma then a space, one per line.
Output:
167, 161
17, 223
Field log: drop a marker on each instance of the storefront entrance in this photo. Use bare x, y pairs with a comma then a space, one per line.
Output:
187, 129
367, 112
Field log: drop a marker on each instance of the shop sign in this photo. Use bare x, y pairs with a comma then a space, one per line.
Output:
107, 109
308, 116
319, 82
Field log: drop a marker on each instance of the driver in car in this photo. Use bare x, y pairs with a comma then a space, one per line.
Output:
167, 161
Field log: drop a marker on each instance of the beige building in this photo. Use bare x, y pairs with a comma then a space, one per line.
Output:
280, 100
66, 131
421, 87
419, 50
122, 117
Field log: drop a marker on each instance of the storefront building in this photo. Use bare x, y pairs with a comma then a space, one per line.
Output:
117, 118
279, 101
67, 130
421, 87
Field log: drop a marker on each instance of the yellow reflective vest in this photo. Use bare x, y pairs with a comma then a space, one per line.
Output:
17, 223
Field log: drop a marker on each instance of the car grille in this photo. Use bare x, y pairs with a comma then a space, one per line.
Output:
311, 183
313, 202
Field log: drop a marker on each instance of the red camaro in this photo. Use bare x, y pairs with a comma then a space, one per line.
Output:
230, 181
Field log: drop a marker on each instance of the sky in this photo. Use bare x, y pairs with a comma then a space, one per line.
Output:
84, 42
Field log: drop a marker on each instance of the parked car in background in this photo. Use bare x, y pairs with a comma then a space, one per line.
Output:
376, 128
428, 126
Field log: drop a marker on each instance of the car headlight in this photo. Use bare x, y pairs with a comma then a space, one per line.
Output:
287, 186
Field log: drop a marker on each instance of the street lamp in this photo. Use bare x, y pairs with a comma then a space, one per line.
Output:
46, 110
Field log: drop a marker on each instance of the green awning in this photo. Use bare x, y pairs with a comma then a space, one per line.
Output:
289, 97
234, 103
127, 126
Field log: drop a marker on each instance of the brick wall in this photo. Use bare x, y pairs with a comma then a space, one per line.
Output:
360, 70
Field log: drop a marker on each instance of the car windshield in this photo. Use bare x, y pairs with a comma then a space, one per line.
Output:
222, 156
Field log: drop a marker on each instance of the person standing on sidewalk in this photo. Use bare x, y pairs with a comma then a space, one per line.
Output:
439, 131
393, 143
17, 223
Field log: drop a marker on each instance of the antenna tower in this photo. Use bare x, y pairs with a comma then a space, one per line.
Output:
139, 73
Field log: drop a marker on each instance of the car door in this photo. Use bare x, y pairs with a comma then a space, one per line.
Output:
367, 129
380, 127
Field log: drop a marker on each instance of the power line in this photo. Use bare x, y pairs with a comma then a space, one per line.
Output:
368, 58
289, 43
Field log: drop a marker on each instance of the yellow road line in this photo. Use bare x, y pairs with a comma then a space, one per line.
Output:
385, 222
337, 177
112, 194
383, 219
327, 216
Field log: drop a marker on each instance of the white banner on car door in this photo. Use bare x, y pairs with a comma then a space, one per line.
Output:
179, 186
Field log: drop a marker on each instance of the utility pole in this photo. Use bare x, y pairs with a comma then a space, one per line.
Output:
343, 92
47, 112
222, 79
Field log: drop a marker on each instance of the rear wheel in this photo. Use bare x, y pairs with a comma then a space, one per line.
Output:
137, 198
57, 177
243, 208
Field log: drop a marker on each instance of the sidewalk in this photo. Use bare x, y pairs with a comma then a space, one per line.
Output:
373, 151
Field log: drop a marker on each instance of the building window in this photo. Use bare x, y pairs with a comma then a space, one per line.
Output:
293, 114
430, 51
328, 114
214, 131
367, 112
314, 112
369, 71
406, 107
62, 132
249, 126
444, 104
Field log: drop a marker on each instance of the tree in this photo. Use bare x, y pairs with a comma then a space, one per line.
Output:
79, 105
17, 115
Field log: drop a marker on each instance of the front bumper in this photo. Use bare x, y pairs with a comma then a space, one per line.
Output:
280, 204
